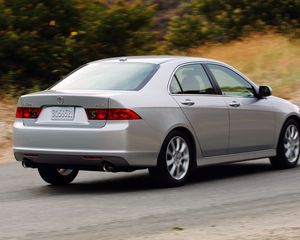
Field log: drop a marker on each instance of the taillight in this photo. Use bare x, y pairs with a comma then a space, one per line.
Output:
96, 114
27, 112
111, 114
122, 114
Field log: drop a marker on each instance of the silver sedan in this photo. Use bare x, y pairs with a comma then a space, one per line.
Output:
168, 114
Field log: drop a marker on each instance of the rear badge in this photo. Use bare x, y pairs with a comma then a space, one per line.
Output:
60, 100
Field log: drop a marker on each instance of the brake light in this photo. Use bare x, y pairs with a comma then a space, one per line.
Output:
28, 112
96, 114
111, 114
122, 114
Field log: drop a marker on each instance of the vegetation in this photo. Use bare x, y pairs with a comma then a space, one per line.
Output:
266, 58
43, 40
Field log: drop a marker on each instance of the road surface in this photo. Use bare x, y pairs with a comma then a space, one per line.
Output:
218, 201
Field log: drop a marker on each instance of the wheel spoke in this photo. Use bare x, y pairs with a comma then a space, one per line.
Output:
173, 147
288, 153
186, 156
287, 145
169, 152
296, 135
292, 132
183, 147
172, 170
170, 162
177, 144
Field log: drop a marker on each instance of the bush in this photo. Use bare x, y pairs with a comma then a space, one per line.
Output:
224, 20
41, 41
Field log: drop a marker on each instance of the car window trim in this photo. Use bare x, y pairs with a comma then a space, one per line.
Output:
214, 79
186, 64
176, 78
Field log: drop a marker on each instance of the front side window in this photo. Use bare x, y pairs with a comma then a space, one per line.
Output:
109, 76
230, 82
191, 79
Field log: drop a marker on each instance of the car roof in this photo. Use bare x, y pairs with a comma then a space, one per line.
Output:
158, 59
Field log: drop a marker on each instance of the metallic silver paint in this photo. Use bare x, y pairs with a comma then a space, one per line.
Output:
222, 133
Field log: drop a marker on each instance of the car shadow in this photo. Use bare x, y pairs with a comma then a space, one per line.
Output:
142, 181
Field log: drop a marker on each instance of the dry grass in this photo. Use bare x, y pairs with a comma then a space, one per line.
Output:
267, 59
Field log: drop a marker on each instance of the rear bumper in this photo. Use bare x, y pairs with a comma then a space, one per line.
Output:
123, 143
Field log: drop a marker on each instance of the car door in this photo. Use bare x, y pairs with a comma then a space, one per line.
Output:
206, 111
252, 120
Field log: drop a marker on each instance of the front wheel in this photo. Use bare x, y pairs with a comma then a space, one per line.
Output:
56, 176
174, 161
288, 150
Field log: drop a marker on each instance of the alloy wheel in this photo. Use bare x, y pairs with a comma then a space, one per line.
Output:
177, 158
291, 143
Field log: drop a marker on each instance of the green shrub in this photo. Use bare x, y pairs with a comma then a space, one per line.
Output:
224, 20
41, 41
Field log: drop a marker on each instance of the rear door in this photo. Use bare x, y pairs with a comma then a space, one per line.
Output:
252, 120
206, 111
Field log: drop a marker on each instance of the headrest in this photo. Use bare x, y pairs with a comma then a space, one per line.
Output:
190, 72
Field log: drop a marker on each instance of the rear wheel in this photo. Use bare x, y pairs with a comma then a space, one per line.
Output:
174, 161
56, 176
288, 150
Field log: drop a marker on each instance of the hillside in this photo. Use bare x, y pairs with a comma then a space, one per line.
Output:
268, 59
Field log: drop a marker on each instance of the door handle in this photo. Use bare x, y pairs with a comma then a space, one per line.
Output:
234, 104
188, 102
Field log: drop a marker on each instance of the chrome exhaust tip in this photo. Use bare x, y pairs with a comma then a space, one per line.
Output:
26, 163
108, 167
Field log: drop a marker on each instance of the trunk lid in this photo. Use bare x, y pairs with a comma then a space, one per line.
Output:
66, 108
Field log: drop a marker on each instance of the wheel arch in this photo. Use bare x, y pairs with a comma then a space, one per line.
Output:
291, 117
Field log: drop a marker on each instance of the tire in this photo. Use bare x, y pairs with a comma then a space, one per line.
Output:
174, 162
56, 176
288, 149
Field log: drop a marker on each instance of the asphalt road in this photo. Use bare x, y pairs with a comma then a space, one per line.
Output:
127, 205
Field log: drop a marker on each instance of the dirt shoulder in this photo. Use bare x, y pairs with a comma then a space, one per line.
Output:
7, 114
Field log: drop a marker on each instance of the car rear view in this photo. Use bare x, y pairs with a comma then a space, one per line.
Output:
78, 124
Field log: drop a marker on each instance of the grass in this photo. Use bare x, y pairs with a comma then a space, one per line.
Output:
267, 59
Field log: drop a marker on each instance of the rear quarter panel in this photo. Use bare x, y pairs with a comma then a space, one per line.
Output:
156, 107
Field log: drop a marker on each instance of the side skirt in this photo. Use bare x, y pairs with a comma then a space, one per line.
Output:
237, 157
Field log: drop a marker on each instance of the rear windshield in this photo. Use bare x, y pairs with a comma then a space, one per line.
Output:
109, 76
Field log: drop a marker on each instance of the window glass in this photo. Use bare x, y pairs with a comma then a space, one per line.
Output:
175, 88
230, 82
192, 79
109, 76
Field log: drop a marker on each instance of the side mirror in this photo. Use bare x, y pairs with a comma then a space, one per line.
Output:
264, 91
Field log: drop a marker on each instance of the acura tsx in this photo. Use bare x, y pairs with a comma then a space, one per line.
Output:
167, 114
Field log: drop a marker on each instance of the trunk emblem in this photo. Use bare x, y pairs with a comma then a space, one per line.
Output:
60, 100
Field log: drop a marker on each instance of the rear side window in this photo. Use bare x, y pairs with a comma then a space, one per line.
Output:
109, 76
191, 79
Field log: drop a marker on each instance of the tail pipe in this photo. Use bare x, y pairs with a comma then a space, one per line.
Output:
108, 167
27, 163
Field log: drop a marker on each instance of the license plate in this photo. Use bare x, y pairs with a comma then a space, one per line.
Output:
62, 113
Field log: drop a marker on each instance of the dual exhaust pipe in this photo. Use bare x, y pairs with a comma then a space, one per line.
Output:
106, 166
